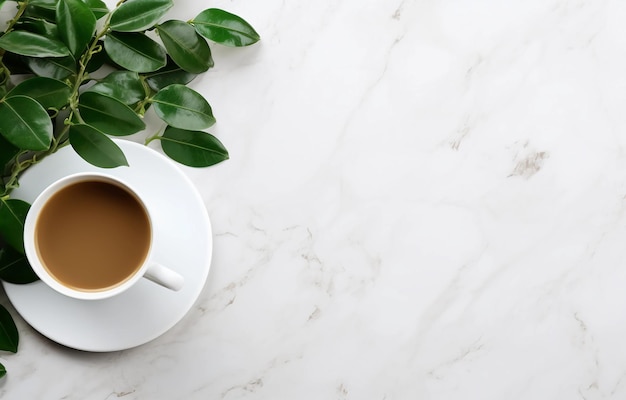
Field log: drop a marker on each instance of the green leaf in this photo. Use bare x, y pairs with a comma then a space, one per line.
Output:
168, 75
192, 148
50, 93
98, 8
14, 267
135, 51
9, 337
182, 107
39, 26
76, 23
47, 4
55, 68
12, 216
7, 152
109, 115
3, 371
25, 123
225, 28
122, 85
139, 15
188, 49
35, 11
33, 45
95, 147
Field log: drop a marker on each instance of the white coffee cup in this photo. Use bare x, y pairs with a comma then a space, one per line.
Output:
148, 269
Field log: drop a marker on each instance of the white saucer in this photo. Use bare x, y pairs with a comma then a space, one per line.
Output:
182, 241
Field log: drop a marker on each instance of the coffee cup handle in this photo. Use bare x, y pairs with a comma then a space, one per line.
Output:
164, 277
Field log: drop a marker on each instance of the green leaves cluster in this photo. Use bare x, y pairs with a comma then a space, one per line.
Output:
148, 62
74, 72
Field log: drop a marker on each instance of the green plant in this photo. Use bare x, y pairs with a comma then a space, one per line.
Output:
75, 72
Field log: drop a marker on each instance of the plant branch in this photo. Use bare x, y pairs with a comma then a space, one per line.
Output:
20, 11
34, 158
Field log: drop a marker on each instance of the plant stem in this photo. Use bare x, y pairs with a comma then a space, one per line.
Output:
62, 138
17, 169
20, 11
21, 166
151, 138
94, 48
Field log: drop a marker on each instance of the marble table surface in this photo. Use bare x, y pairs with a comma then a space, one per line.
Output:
425, 200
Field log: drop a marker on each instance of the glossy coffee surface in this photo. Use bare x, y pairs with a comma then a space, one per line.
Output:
92, 235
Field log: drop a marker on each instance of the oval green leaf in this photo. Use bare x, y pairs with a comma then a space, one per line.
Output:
139, 15
3, 371
97, 7
55, 68
36, 11
25, 123
109, 115
39, 26
122, 85
12, 216
135, 51
182, 107
9, 337
33, 45
168, 75
95, 147
50, 93
188, 49
225, 28
192, 148
76, 24
14, 267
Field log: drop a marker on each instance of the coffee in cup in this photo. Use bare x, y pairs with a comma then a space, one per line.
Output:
89, 236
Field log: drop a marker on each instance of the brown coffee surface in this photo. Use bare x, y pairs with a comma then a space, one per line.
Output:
92, 235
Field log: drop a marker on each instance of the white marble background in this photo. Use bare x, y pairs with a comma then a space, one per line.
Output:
425, 200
